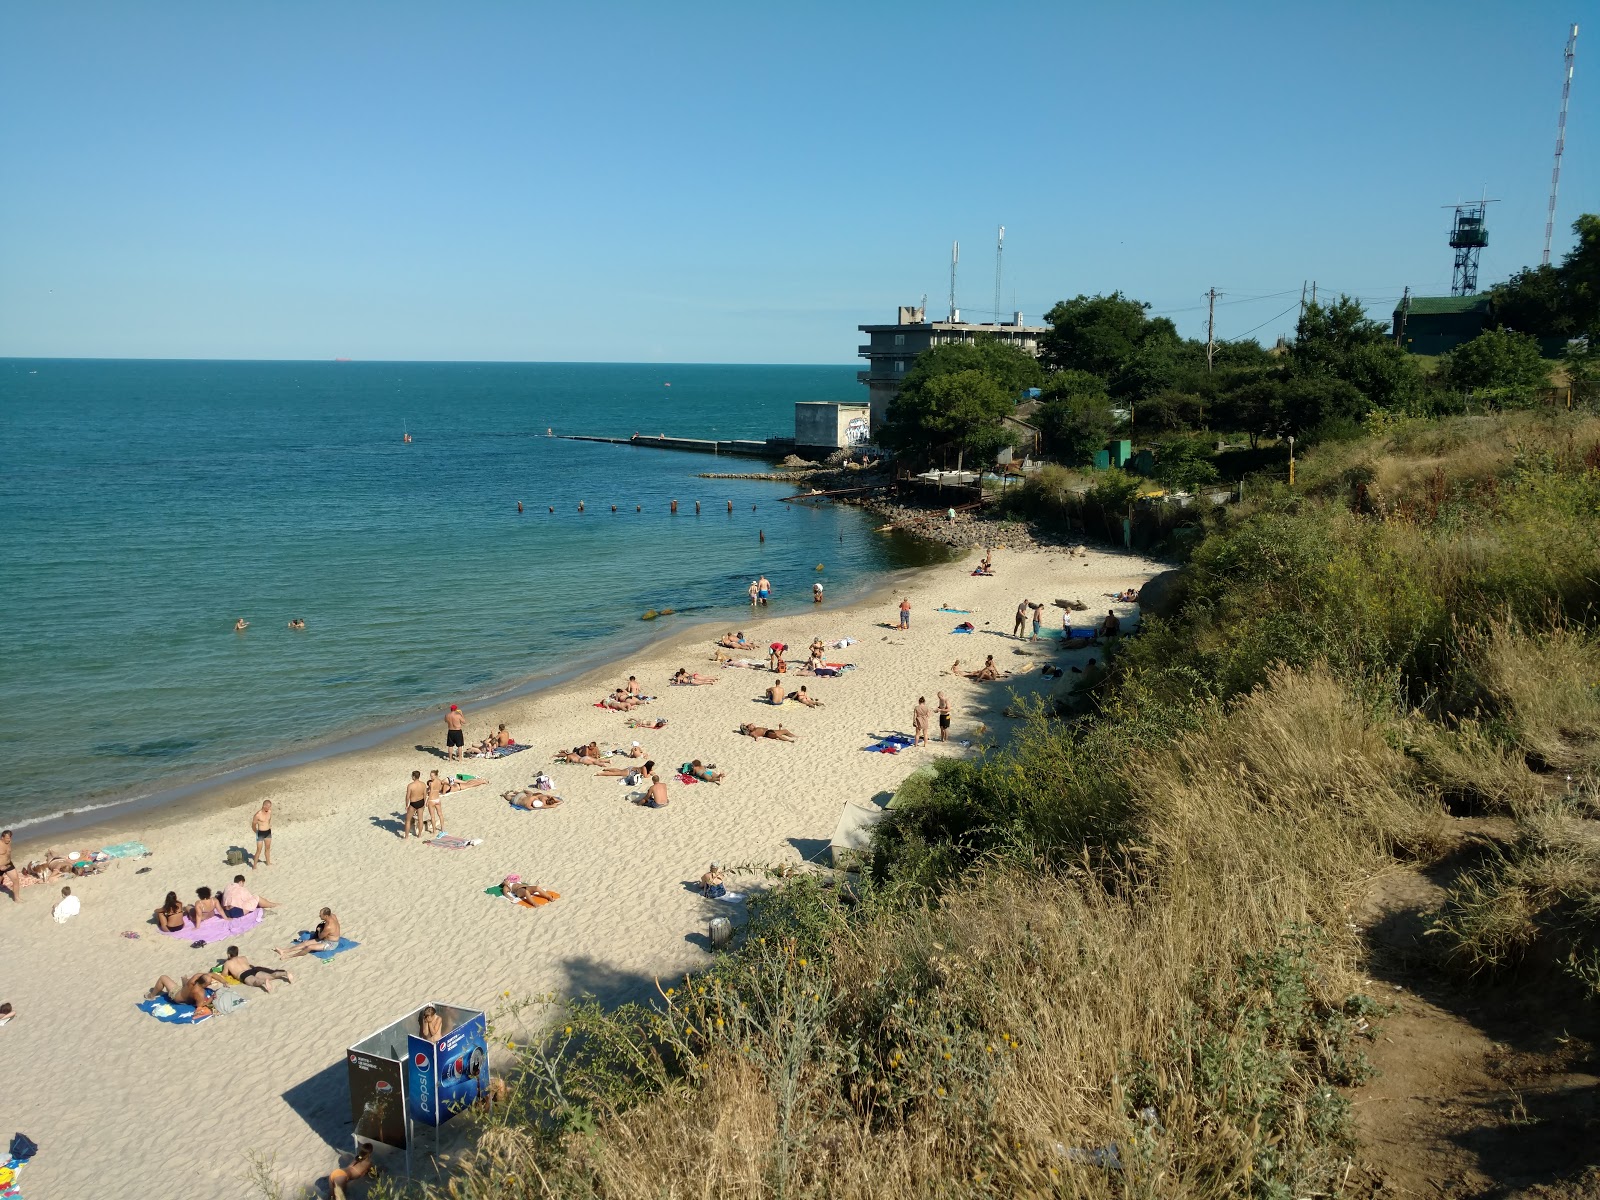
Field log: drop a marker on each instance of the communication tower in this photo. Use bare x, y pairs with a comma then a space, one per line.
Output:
1561, 142
999, 255
955, 257
1468, 236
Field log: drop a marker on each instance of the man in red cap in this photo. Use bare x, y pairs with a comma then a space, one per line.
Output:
454, 739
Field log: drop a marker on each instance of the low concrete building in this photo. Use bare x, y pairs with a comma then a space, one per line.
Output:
824, 426
891, 349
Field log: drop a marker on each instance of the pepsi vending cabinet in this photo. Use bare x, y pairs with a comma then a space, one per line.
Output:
444, 1079
398, 1078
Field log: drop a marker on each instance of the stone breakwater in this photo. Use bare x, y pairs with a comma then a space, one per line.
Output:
968, 530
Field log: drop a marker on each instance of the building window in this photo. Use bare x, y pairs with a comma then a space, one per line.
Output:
899, 364
899, 339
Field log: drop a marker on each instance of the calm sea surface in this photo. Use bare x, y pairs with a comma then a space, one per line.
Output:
146, 505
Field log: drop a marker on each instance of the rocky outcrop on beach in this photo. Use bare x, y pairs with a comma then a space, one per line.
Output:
969, 530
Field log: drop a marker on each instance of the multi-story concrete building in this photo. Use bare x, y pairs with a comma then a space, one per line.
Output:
892, 348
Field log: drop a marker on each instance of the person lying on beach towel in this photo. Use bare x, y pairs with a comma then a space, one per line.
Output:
688, 678
965, 627
985, 569
703, 771
324, 937
658, 723
735, 641
1127, 597
193, 990
744, 662
619, 701
459, 783
238, 966
629, 775
987, 673
805, 697
585, 756
780, 734
512, 888
531, 798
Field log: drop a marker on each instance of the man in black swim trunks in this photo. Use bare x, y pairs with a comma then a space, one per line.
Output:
455, 738
416, 798
239, 967
262, 824
10, 877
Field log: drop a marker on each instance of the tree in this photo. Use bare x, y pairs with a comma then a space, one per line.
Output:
1338, 341
963, 409
1183, 464
1552, 302
1011, 367
1075, 426
1252, 404
1162, 365
1100, 334
1501, 362
1168, 411
1319, 401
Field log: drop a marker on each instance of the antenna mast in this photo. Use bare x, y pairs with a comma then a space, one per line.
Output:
955, 257
999, 256
1561, 141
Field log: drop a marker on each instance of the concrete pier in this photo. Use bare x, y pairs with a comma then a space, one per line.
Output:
774, 448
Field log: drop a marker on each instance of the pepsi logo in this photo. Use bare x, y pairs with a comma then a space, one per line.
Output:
421, 1060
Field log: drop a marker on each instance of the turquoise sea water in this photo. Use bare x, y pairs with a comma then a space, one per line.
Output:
145, 505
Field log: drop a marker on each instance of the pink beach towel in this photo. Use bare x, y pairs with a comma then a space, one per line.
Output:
215, 929
682, 778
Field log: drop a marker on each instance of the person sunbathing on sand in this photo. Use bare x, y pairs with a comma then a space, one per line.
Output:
583, 756
735, 641
805, 697
780, 734
700, 770
775, 694
360, 1167
620, 701
239, 967
987, 673
656, 797
324, 937
658, 723
630, 775
688, 678
205, 906
170, 916
191, 991
513, 888
532, 798
713, 884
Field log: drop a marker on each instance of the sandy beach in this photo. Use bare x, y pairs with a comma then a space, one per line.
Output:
125, 1105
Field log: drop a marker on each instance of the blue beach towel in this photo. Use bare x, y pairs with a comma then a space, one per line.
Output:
963, 611
169, 1013
325, 955
963, 629
126, 850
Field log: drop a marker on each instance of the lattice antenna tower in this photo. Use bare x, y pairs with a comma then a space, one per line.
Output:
1561, 142
999, 258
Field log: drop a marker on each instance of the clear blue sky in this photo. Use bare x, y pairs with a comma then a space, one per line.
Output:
743, 182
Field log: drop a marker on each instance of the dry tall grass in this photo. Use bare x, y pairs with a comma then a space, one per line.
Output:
1172, 1010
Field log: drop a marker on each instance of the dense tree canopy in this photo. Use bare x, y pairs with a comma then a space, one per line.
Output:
1101, 334
961, 410
1561, 301
1500, 362
1337, 341
1010, 367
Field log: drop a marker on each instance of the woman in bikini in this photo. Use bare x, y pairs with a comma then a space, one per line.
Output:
169, 917
513, 887
205, 906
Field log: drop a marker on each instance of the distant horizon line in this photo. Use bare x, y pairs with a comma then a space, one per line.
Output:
515, 362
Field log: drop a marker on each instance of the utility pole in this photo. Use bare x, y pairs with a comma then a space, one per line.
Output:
1405, 313
1211, 327
1313, 291
1302, 298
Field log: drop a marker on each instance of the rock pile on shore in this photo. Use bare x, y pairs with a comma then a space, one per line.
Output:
969, 529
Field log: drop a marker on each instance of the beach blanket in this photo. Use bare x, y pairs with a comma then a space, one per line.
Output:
169, 1013
964, 627
126, 850
10, 1189
685, 777
498, 892
963, 611
445, 842
501, 752
215, 929
327, 955
890, 743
